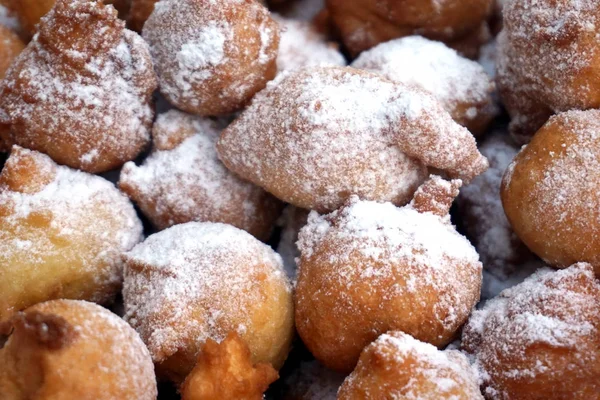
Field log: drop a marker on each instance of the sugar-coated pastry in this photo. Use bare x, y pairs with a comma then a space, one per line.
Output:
183, 180
62, 233
460, 85
311, 381
548, 60
369, 267
10, 47
29, 12
540, 339
80, 97
225, 371
363, 24
212, 56
506, 260
317, 136
397, 366
301, 45
199, 281
550, 190
68, 349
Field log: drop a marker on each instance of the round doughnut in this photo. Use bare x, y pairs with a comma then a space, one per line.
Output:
212, 56
397, 366
541, 338
301, 46
183, 180
506, 260
317, 136
69, 349
82, 98
548, 60
460, 85
363, 24
199, 281
550, 190
62, 233
10, 47
369, 267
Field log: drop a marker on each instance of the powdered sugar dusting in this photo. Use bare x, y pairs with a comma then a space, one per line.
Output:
195, 281
302, 46
77, 208
451, 79
94, 101
432, 374
512, 336
125, 361
323, 122
183, 180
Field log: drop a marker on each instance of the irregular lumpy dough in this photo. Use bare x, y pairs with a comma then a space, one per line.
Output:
67, 349
548, 60
540, 339
550, 190
369, 267
183, 180
459, 84
363, 24
317, 136
225, 371
62, 233
82, 98
397, 366
212, 56
199, 281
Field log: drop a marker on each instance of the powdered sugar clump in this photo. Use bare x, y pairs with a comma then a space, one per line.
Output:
196, 281
304, 136
539, 330
302, 46
461, 85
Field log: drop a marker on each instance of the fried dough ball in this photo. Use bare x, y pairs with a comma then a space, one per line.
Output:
397, 366
363, 24
317, 136
62, 233
506, 260
548, 60
80, 97
550, 190
460, 85
369, 267
301, 46
212, 56
225, 371
199, 281
139, 12
10, 47
540, 339
183, 180
68, 349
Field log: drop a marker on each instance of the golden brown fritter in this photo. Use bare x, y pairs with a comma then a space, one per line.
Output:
225, 371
